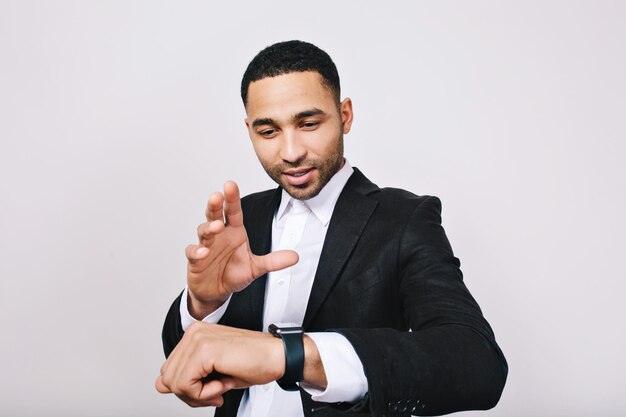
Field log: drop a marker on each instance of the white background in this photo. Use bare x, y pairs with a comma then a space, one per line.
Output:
118, 118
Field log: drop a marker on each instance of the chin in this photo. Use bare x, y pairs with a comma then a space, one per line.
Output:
304, 193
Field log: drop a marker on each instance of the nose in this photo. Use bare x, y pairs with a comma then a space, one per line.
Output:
292, 149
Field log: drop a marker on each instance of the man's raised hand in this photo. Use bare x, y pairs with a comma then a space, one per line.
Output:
222, 263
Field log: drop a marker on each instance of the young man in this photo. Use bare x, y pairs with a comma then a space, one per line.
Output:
381, 322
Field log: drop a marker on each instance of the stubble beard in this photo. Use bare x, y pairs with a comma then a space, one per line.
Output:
325, 170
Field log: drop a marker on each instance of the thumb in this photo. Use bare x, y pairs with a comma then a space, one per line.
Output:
276, 261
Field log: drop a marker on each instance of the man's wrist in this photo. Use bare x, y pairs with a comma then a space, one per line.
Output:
313, 373
199, 309
291, 335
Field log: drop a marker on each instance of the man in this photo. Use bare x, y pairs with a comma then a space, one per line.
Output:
390, 328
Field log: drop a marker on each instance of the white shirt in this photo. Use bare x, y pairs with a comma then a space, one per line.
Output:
300, 226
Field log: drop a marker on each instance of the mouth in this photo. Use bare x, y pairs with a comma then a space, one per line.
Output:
298, 176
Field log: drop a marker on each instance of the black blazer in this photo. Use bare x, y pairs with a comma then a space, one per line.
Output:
388, 281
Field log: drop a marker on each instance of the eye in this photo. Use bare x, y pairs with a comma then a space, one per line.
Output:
310, 125
268, 133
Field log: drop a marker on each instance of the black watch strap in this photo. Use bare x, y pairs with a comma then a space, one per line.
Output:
294, 354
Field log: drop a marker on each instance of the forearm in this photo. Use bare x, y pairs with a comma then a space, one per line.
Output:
438, 370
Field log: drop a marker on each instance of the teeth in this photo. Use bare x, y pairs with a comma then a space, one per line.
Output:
299, 174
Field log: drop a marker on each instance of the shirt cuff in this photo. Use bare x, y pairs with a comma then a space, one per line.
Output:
344, 371
186, 319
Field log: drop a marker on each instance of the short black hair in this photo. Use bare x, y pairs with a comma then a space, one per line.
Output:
287, 57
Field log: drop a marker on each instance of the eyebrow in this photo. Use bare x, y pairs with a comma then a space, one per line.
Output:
307, 113
263, 122
298, 116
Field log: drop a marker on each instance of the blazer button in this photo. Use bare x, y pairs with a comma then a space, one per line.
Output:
393, 407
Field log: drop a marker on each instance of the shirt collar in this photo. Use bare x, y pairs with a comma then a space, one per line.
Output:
323, 204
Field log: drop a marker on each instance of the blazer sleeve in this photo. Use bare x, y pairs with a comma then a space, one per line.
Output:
172, 328
449, 361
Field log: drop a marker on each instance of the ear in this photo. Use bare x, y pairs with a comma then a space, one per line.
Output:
345, 109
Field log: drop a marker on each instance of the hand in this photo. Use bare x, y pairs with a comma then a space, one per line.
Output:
211, 359
222, 263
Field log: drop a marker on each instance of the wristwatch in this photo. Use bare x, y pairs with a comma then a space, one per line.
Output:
294, 353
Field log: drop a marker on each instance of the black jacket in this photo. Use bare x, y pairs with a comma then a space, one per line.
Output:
386, 268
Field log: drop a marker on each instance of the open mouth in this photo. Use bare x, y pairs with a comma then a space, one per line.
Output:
299, 176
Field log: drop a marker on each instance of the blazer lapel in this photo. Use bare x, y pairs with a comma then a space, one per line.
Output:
350, 216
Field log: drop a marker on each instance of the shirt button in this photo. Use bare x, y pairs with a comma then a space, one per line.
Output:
281, 282
266, 388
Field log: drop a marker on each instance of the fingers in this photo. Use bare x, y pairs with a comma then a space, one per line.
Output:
160, 386
210, 394
214, 209
214, 388
196, 253
215, 220
227, 207
274, 261
213, 402
189, 375
232, 205
207, 232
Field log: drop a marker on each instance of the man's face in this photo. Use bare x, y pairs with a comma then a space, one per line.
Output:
297, 131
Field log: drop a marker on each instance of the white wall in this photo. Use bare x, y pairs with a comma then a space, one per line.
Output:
117, 119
